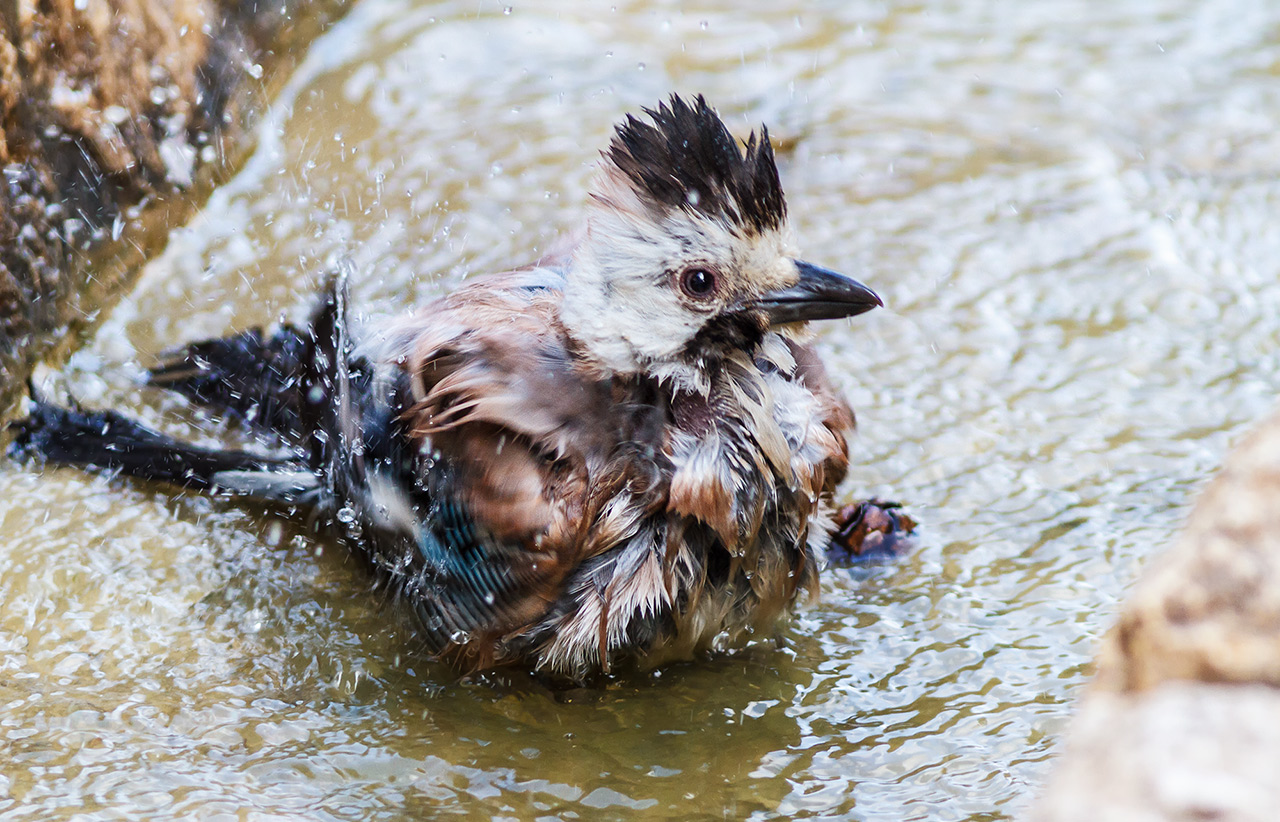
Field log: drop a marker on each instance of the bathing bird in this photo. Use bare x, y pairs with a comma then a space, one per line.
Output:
619, 456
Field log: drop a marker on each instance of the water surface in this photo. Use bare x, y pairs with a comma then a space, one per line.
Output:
1070, 211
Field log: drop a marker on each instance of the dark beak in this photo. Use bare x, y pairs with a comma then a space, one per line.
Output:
820, 295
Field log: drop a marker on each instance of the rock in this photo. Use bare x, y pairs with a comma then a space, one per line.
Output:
1210, 609
1181, 751
116, 117
1183, 719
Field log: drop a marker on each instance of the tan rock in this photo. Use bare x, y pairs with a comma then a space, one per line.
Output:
1183, 719
1209, 610
1182, 751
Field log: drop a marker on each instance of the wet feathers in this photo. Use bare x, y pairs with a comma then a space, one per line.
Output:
533, 503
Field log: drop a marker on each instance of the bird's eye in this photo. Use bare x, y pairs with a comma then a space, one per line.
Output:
698, 283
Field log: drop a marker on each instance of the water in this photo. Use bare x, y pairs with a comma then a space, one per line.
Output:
1068, 207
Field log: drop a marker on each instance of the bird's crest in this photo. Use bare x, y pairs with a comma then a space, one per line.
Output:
687, 159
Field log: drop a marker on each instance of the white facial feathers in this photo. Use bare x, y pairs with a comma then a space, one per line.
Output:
623, 299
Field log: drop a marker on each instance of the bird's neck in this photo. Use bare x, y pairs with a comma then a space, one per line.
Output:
616, 345
669, 377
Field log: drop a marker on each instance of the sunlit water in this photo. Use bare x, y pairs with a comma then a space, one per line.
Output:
1070, 209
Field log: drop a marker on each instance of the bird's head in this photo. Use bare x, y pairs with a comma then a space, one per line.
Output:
687, 253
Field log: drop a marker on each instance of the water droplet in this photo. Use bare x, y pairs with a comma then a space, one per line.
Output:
346, 515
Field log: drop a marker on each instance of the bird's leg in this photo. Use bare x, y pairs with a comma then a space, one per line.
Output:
870, 529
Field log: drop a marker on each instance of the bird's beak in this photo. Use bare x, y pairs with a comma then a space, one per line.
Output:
819, 295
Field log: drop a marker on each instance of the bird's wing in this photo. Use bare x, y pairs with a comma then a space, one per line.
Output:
493, 415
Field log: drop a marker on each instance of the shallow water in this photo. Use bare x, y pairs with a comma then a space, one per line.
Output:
1069, 208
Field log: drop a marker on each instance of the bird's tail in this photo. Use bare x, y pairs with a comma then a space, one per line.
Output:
105, 439
294, 384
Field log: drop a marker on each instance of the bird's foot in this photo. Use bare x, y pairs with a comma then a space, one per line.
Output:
871, 529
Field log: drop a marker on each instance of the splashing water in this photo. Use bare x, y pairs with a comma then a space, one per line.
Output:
1071, 220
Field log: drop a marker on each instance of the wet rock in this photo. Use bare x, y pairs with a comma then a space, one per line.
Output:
1183, 719
115, 117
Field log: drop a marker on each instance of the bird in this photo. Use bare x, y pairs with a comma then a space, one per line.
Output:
620, 456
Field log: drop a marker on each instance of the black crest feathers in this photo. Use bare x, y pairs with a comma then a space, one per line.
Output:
688, 159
